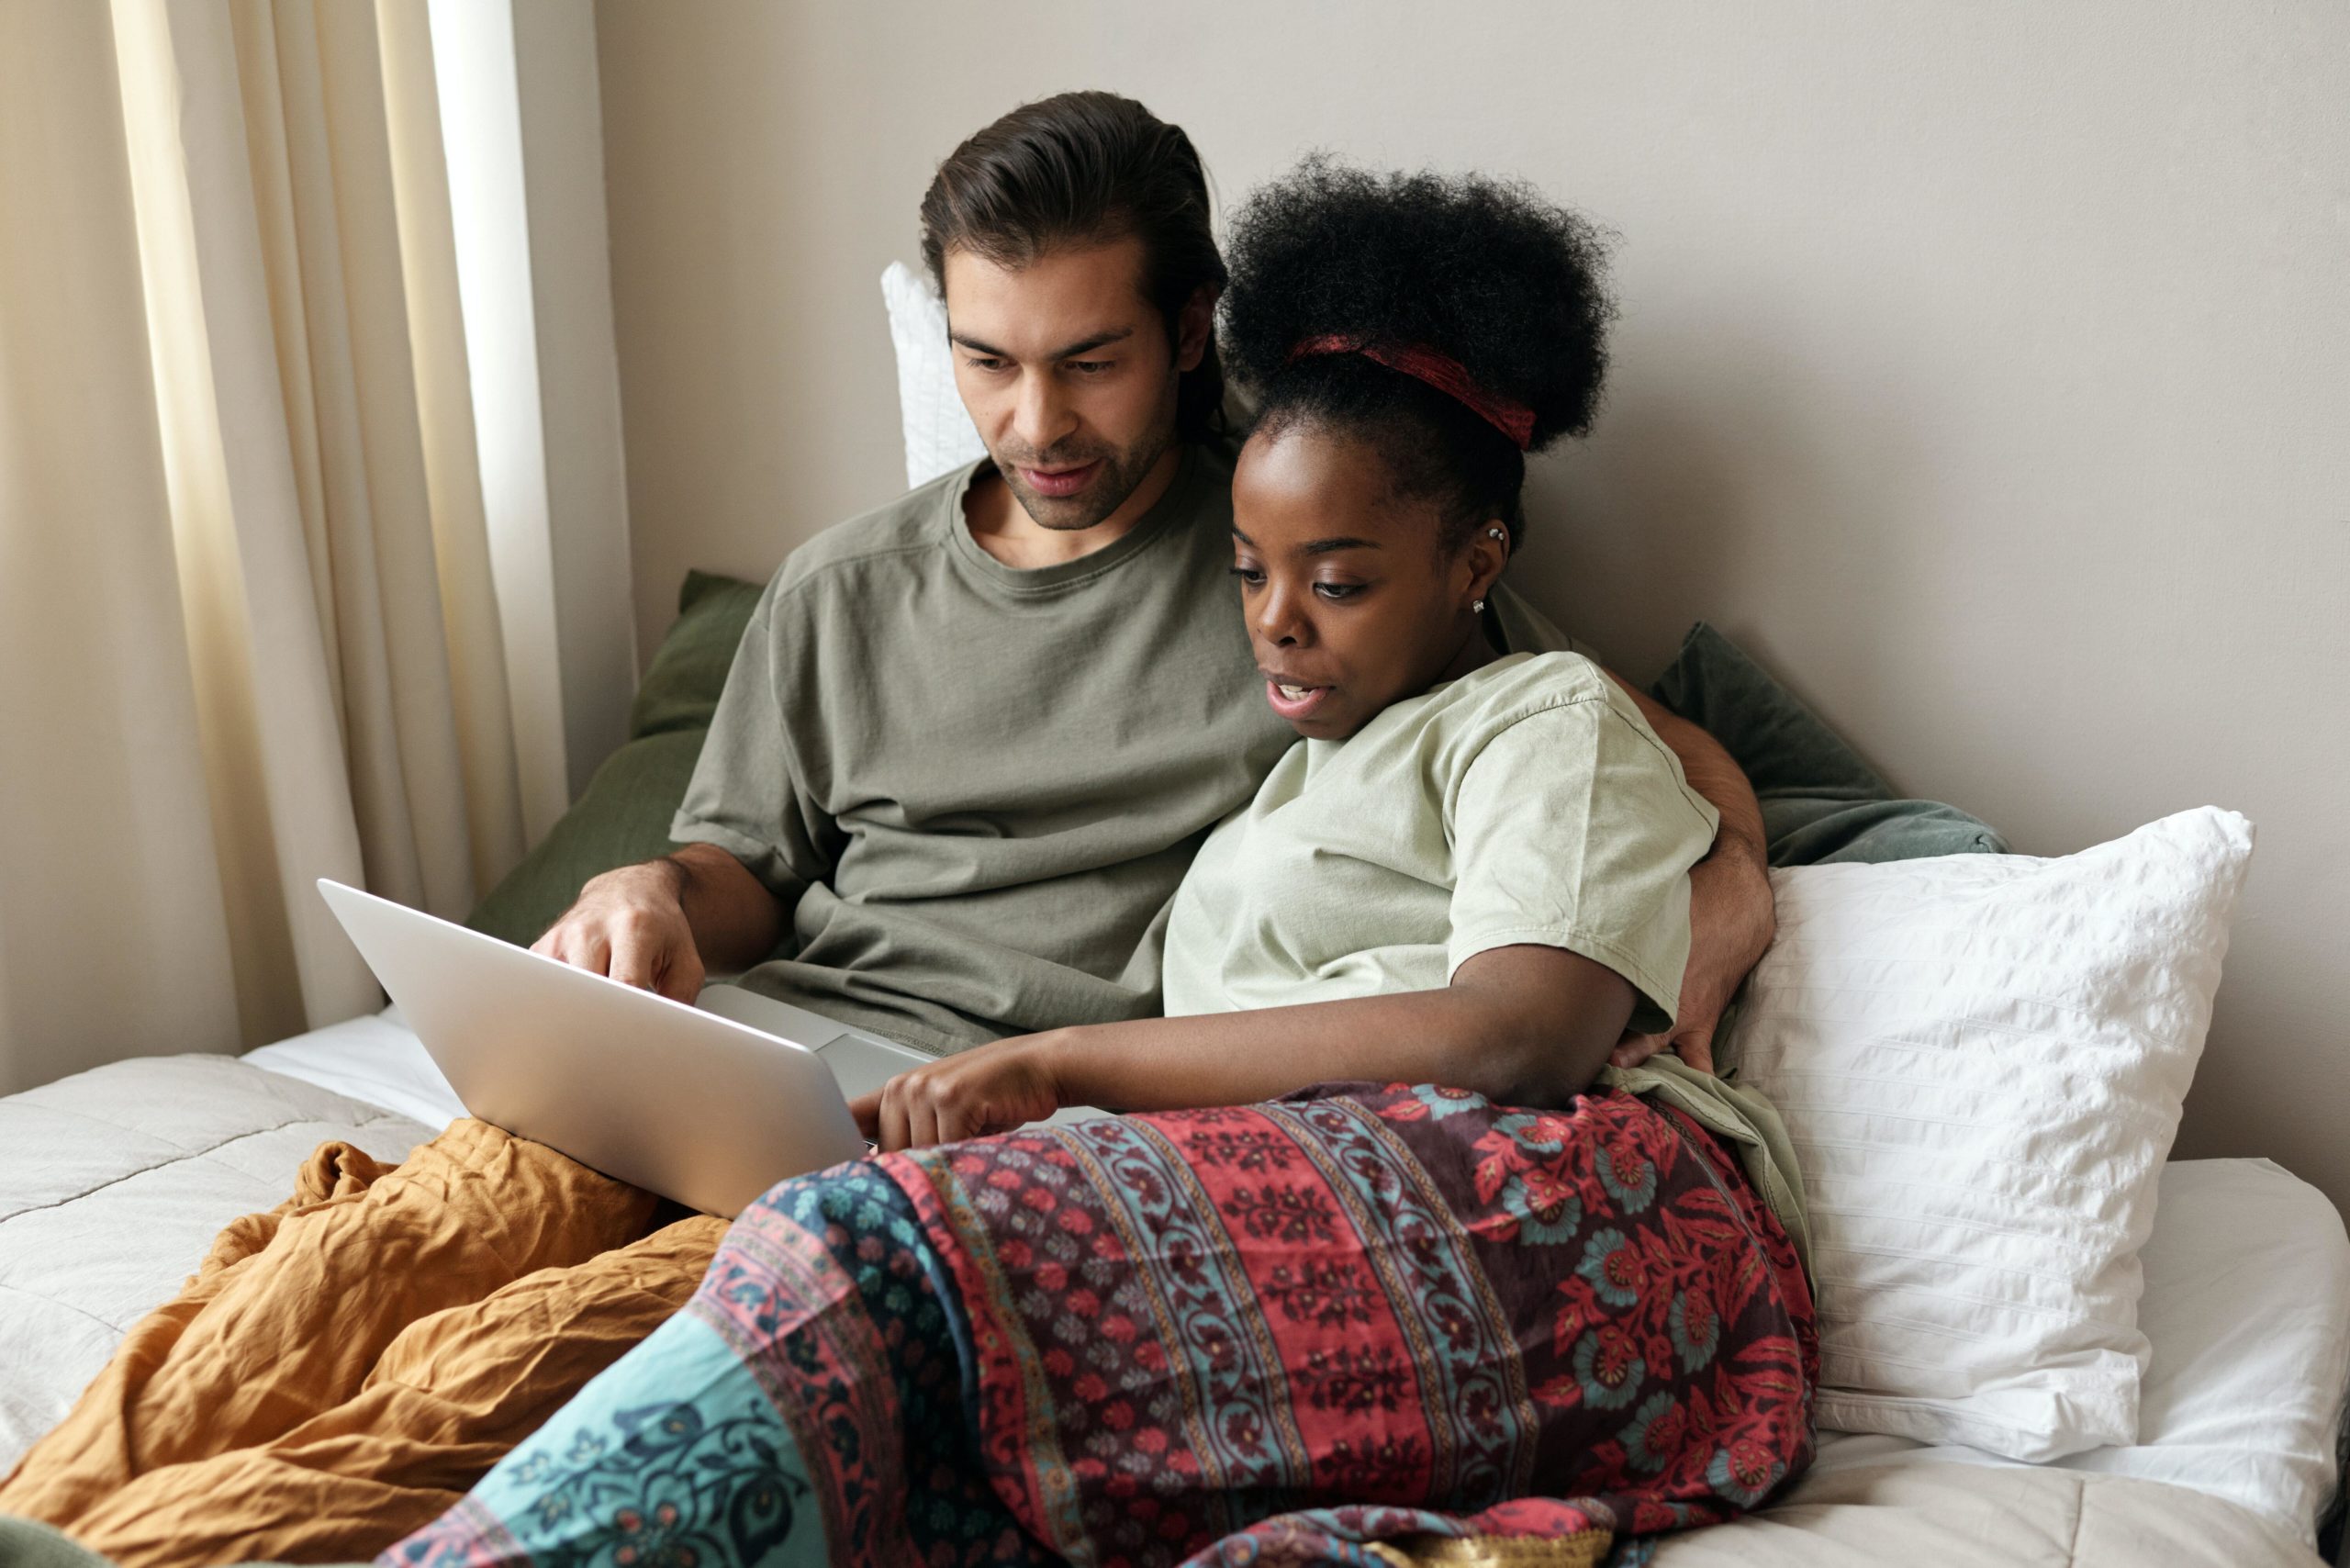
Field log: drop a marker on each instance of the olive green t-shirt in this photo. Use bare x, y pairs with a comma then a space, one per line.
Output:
975, 787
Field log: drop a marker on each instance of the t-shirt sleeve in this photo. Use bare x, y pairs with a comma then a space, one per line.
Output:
1573, 827
746, 796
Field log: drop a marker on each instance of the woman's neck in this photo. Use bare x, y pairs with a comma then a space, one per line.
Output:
1475, 653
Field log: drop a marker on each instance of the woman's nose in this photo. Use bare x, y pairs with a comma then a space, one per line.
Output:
1278, 620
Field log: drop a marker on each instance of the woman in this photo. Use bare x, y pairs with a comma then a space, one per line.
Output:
1458, 1288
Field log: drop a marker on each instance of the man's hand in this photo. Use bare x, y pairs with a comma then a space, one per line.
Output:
630, 925
988, 1089
1730, 917
1730, 923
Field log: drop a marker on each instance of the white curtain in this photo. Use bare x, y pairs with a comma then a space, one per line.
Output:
248, 634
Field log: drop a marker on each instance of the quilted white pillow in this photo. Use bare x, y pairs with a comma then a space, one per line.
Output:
1981, 1060
939, 434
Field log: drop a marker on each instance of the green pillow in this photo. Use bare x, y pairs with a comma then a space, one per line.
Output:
1821, 801
681, 690
623, 815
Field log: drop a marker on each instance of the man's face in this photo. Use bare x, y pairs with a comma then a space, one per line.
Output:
1068, 373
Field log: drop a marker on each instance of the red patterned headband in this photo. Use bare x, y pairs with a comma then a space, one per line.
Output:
1440, 371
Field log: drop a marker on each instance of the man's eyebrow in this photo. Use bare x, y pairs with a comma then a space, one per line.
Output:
1318, 546
1083, 345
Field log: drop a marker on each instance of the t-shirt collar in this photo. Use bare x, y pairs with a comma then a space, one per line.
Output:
1176, 503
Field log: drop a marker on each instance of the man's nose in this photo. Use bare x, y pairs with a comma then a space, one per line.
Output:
1042, 416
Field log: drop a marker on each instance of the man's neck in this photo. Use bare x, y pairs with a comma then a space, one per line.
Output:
1002, 526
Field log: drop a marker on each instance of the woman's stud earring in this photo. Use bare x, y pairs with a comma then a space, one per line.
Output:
1477, 608
1496, 534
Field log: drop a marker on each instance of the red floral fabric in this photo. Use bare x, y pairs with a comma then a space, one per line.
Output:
1363, 1313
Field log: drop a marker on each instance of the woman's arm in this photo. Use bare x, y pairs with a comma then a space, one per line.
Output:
1523, 1025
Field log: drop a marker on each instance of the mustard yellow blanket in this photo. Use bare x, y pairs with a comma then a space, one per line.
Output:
340, 1370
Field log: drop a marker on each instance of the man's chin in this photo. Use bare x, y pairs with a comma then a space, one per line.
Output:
1067, 514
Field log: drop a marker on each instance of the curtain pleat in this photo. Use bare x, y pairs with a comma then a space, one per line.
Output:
110, 911
249, 636
487, 730
407, 784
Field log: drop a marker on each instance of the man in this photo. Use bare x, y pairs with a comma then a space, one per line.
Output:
971, 740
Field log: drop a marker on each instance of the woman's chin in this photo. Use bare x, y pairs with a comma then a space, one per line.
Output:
1333, 726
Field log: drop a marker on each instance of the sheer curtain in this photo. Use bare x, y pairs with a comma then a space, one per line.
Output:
249, 630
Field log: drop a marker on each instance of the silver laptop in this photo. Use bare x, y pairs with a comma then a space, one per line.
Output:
711, 1105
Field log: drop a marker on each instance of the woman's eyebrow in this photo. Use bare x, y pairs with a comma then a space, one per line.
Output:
1318, 546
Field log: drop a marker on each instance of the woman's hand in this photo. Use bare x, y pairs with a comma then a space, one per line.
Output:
988, 1089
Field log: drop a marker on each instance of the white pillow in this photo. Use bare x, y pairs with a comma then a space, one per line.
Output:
939, 434
1981, 1060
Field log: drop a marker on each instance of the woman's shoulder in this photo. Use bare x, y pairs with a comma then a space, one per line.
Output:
1448, 729
1534, 708
1519, 686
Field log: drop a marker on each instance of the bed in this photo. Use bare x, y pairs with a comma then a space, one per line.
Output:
116, 1179
114, 1183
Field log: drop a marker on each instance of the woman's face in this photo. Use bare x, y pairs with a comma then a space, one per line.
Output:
1351, 601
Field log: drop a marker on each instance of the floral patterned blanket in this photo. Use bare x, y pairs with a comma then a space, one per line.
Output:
1360, 1325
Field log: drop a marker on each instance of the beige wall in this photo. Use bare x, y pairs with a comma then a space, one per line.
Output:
1984, 368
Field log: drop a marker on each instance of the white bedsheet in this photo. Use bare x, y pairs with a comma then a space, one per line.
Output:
376, 1059
114, 1183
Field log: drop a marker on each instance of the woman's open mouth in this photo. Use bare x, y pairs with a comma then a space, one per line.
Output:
1059, 482
1294, 702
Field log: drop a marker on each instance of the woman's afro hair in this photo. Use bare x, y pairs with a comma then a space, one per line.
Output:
1486, 271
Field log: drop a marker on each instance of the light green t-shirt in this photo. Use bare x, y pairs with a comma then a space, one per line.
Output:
1525, 802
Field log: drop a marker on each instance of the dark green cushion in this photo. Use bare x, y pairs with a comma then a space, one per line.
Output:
681, 690
1821, 801
623, 815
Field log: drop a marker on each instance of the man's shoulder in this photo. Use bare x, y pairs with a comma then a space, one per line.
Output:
904, 531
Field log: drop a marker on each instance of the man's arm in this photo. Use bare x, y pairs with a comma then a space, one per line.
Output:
1731, 918
723, 900
663, 925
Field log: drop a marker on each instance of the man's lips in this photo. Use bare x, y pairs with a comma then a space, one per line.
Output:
1060, 481
1306, 702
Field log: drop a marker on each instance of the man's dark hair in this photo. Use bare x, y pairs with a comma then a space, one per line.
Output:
1488, 273
1088, 168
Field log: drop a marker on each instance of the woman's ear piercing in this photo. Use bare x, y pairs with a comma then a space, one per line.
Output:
1496, 534
1477, 608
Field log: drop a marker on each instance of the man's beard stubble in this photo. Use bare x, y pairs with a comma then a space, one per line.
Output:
1121, 474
